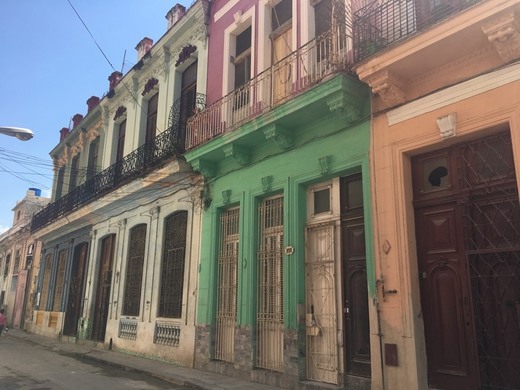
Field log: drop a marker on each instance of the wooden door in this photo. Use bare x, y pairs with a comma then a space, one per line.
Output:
355, 290
75, 290
104, 283
445, 298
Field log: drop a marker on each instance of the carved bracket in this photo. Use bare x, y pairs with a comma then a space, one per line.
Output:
325, 164
388, 87
226, 196
239, 153
504, 34
206, 168
343, 103
279, 135
267, 182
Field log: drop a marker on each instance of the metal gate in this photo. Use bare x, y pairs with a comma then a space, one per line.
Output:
491, 223
269, 350
227, 285
320, 301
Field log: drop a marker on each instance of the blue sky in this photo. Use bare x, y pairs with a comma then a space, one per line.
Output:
50, 66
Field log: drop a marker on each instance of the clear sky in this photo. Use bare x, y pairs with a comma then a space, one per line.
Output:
50, 66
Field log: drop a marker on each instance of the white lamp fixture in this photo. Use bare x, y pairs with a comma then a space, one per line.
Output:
18, 132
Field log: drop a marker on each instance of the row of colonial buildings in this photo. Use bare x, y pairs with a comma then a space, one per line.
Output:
302, 193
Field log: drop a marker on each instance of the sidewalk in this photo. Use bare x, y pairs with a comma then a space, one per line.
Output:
177, 375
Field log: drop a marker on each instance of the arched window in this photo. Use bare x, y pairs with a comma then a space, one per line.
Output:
134, 271
172, 269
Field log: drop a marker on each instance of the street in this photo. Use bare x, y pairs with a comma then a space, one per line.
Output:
25, 365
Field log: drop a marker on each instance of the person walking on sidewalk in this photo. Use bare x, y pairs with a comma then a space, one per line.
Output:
3, 321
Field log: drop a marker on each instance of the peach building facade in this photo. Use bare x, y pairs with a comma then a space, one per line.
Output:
445, 162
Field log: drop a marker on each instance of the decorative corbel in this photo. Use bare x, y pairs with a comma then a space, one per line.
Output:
447, 125
504, 34
267, 182
325, 164
279, 135
345, 104
166, 61
239, 153
226, 196
388, 87
204, 167
154, 211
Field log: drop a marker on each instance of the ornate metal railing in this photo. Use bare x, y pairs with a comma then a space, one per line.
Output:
328, 54
135, 164
378, 25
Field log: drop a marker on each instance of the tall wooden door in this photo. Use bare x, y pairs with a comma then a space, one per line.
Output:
355, 290
76, 285
467, 217
445, 297
104, 283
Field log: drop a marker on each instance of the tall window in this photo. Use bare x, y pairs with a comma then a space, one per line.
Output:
242, 64
59, 183
45, 282
121, 141
73, 182
7, 264
151, 118
227, 285
93, 158
60, 279
172, 271
16, 267
134, 271
270, 285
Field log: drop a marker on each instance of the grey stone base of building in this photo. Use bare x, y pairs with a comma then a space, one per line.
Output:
293, 376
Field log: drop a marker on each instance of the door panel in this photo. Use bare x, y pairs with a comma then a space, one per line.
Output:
75, 291
445, 297
103, 288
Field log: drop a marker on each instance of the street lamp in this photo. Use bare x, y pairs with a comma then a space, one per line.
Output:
18, 132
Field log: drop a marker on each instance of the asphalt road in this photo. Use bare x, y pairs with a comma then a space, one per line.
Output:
28, 366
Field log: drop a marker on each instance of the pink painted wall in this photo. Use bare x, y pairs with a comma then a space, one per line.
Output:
216, 44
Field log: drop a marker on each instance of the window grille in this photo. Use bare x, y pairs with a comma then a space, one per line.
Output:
45, 282
227, 285
172, 272
269, 352
60, 279
127, 329
16, 267
134, 271
167, 334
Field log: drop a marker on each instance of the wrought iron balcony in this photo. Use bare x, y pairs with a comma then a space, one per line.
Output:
377, 25
143, 160
326, 55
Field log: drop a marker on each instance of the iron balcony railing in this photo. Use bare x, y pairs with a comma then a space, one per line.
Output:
378, 25
135, 164
328, 54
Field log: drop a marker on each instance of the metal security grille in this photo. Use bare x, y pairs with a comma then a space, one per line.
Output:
227, 285
269, 351
60, 278
172, 270
320, 300
45, 282
491, 218
134, 271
